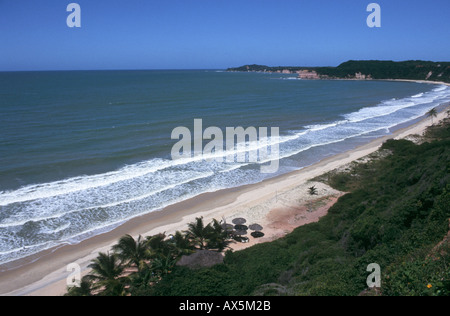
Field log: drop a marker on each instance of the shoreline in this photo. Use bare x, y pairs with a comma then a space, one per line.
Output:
47, 274
419, 81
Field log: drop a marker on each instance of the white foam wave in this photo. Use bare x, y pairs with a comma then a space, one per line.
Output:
384, 108
394, 105
319, 127
440, 88
83, 183
58, 229
26, 218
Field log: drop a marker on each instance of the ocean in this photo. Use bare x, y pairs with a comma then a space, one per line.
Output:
83, 151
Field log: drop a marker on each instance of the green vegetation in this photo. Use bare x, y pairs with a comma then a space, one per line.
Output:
396, 215
377, 69
413, 69
137, 265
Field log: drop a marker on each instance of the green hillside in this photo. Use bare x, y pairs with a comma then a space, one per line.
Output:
414, 70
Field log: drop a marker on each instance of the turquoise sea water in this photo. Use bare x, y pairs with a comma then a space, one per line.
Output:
82, 152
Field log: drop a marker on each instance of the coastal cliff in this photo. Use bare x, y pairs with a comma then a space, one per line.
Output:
364, 70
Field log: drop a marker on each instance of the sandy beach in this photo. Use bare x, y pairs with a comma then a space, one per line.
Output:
279, 204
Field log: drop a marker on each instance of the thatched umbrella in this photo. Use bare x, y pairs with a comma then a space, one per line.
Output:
255, 227
240, 227
257, 234
239, 221
227, 227
238, 235
240, 232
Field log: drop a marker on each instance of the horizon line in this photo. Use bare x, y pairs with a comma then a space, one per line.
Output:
181, 69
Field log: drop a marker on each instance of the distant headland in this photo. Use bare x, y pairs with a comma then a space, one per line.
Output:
364, 70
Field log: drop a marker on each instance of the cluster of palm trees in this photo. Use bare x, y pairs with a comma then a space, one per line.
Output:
134, 265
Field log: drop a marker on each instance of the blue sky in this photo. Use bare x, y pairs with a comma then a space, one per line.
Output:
216, 34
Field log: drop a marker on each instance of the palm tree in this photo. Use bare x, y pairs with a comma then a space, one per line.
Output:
141, 280
181, 244
198, 233
432, 113
218, 237
106, 273
131, 251
163, 265
312, 190
158, 245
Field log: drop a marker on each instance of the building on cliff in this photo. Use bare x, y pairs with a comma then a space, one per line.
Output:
306, 74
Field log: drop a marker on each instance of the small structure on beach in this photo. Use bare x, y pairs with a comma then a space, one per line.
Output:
256, 230
240, 230
239, 221
227, 227
241, 227
255, 227
257, 234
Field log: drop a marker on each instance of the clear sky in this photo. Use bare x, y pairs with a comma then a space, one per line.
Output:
216, 34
